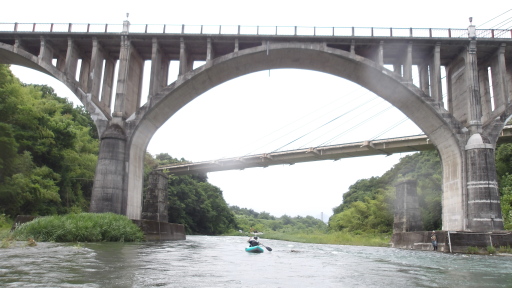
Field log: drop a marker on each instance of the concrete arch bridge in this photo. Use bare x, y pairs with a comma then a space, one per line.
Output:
477, 63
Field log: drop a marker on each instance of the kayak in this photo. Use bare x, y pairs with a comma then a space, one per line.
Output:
255, 249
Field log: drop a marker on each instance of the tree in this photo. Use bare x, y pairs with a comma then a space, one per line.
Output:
373, 196
193, 201
504, 173
49, 152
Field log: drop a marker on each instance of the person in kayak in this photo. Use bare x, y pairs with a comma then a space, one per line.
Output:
253, 241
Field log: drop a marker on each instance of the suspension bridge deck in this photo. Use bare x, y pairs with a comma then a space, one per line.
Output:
333, 152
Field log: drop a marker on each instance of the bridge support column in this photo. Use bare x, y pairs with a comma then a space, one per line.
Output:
108, 84
129, 80
159, 69
483, 200
501, 90
186, 63
156, 202
435, 75
97, 58
107, 193
407, 210
483, 78
71, 64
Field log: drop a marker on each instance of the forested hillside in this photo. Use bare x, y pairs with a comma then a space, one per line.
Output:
193, 201
368, 204
249, 220
48, 150
48, 155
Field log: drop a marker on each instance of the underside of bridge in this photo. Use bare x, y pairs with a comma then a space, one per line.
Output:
465, 133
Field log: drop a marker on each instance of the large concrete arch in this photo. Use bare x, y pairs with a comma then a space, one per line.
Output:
435, 122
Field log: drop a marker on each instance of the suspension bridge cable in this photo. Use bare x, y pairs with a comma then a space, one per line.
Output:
504, 31
306, 144
496, 17
330, 121
502, 23
337, 136
323, 115
353, 127
325, 124
390, 128
368, 109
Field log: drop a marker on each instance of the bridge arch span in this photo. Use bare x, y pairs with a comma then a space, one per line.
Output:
398, 91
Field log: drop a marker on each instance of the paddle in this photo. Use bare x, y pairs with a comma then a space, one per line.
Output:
268, 248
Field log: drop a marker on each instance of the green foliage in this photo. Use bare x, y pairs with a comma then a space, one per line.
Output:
49, 150
367, 206
506, 200
194, 202
5, 222
369, 216
250, 221
504, 174
367, 196
359, 191
338, 238
472, 250
491, 250
198, 205
83, 227
505, 249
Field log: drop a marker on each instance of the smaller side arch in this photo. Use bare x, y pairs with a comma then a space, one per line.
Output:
26, 59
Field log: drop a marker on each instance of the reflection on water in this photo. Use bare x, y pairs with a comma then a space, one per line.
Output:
203, 261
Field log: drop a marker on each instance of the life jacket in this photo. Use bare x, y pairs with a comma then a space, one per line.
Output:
253, 243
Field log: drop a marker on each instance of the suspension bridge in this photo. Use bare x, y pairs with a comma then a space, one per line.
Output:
332, 152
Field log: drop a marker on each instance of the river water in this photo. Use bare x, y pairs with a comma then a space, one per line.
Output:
204, 261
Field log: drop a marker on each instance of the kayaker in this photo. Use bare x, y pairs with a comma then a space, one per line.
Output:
253, 241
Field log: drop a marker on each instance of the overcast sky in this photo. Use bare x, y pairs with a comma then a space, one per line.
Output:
265, 111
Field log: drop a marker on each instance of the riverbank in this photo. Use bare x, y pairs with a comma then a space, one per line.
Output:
337, 238
81, 227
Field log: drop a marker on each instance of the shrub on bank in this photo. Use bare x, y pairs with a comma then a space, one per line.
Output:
339, 238
82, 227
5, 222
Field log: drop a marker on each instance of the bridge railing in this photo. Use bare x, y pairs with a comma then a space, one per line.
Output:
254, 30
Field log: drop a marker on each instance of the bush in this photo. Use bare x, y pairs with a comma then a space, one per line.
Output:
5, 222
472, 250
338, 238
82, 227
505, 249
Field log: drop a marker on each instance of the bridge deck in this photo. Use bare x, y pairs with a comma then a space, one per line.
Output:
224, 39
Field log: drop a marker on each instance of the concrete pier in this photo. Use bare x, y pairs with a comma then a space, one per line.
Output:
407, 211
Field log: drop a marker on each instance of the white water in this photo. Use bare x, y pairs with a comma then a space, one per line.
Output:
203, 261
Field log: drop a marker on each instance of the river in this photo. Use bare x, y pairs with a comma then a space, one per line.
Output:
220, 261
